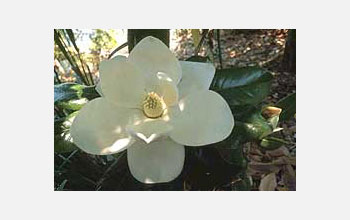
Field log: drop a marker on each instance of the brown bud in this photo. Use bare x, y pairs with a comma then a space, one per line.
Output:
271, 111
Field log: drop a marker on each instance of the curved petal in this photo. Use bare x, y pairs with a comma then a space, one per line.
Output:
195, 76
166, 88
151, 55
149, 130
205, 118
158, 162
99, 127
122, 83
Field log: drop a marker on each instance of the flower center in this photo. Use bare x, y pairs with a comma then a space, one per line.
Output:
153, 105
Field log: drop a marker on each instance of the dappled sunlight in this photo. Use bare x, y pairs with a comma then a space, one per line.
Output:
164, 76
166, 116
117, 146
137, 122
118, 130
182, 106
156, 102
149, 129
147, 140
149, 180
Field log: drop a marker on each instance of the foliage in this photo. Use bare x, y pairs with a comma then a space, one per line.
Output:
242, 86
62, 139
75, 65
102, 40
65, 43
244, 89
73, 91
288, 104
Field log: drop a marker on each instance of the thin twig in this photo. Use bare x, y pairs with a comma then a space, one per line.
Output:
56, 74
219, 47
72, 39
66, 160
58, 112
117, 49
103, 177
61, 44
90, 74
204, 35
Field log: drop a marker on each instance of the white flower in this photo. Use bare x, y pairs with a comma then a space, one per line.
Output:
152, 105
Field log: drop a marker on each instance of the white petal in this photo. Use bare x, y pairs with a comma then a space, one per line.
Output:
166, 88
195, 76
149, 130
205, 118
151, 55
122, 83
99, 127
158, 162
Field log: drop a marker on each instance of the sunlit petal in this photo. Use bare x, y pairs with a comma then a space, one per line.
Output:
157, 162
151, 55
195, 76
99, 127
205, 118
149, 130
166, 88
121, 82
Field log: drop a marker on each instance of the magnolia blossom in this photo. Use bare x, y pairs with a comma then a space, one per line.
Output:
152, 105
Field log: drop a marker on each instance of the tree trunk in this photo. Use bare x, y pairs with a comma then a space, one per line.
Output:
135, 35
289, 57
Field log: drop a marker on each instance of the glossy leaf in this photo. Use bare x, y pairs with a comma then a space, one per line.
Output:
256, 126
274, 121
62, 140
288, 105
73, 105
249, 126
242, 86
231, 149
272, 143
73, 91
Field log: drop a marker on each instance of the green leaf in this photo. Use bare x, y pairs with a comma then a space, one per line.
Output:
249, 126
72, 105
231, 149
62, 140
73, 91
274, 121
254, 125
272, 143
242, 86
288, 106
